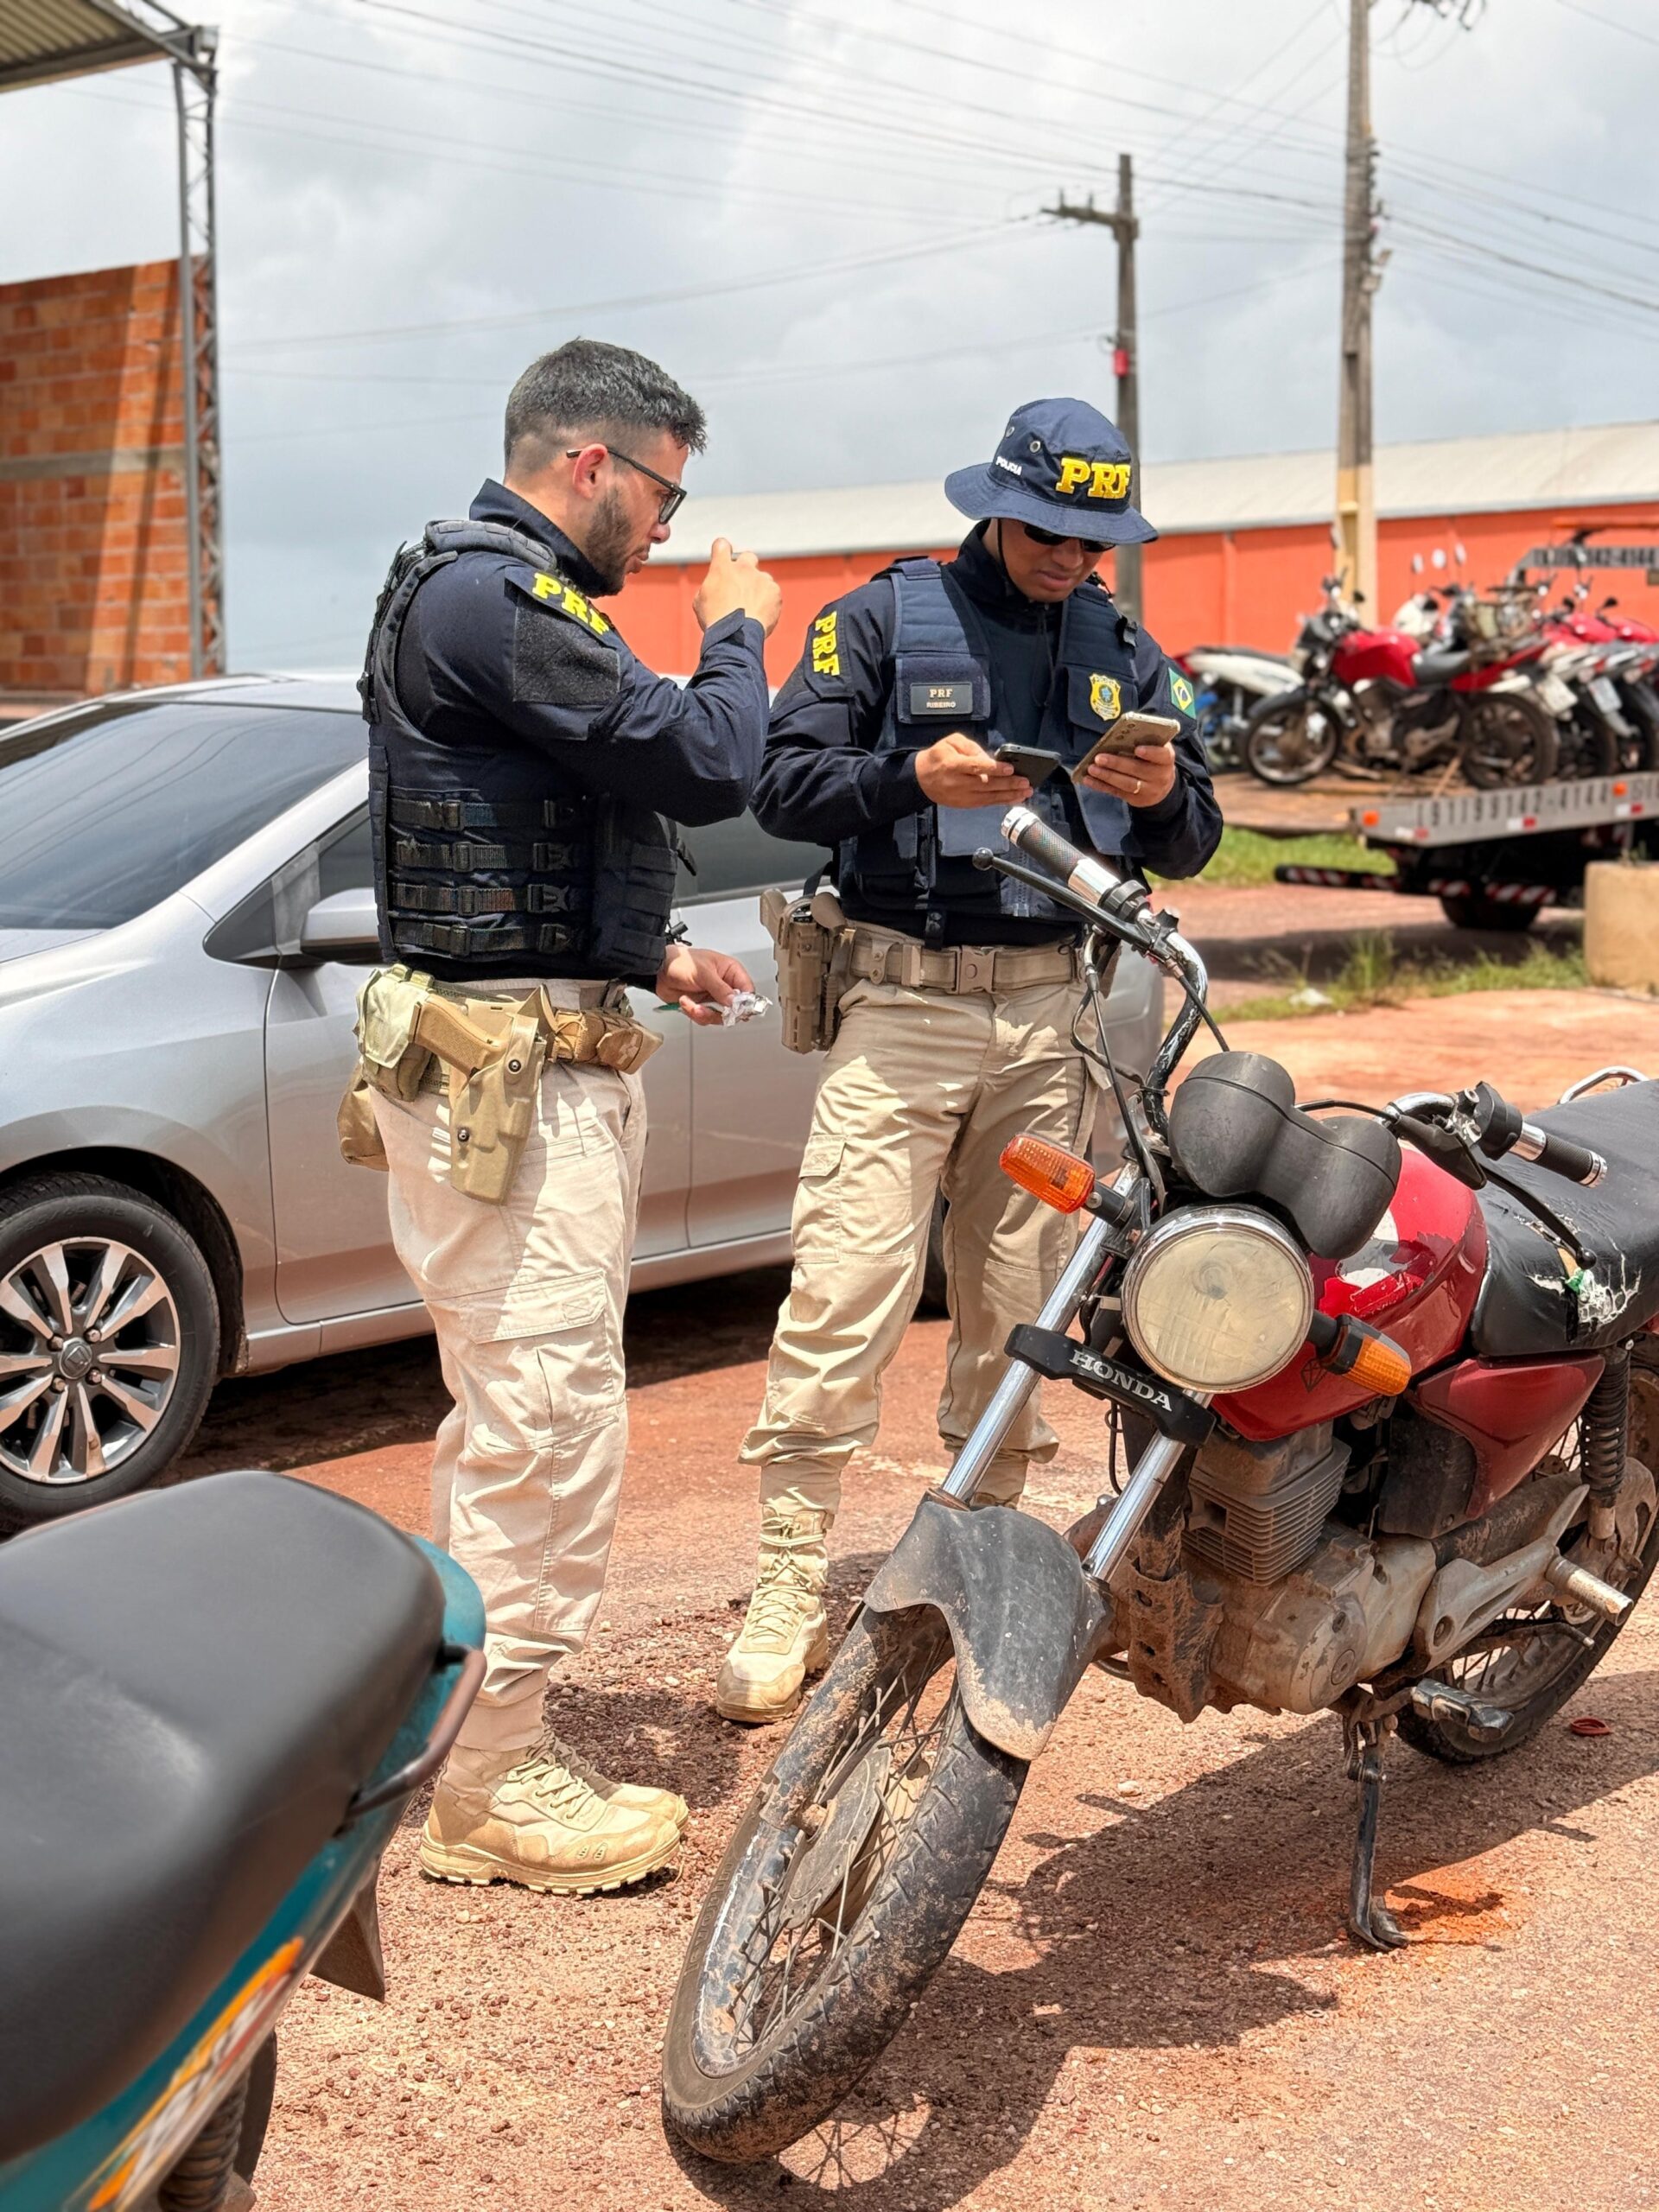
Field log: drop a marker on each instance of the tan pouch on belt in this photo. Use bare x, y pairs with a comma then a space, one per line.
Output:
360, 1132
813, 945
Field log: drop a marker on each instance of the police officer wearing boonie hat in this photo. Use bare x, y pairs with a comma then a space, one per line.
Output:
955, 1035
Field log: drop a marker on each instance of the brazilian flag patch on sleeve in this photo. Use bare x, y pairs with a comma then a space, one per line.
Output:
1181, 691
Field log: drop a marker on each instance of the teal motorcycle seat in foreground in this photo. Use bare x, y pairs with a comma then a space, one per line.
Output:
183, 1729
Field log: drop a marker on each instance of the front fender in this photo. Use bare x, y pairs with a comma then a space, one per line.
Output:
1024, 1619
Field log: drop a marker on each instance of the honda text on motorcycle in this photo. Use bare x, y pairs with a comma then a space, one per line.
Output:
1393, 1416
218, 1702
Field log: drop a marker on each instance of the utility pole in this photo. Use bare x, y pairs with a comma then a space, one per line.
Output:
1355, 498
1122, 222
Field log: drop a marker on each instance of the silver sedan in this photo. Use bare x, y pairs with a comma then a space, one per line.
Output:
186, 914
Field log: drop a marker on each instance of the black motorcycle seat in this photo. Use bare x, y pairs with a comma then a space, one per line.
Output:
1439, 667
1524, 1308
195, 1683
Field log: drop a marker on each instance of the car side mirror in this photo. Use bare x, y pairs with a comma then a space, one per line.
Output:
342, 927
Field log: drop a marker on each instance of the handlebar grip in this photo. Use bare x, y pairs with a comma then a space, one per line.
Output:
1557, 1156
1033, 837
1028, 834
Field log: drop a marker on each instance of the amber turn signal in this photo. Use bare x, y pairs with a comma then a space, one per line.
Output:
1059, 1179
1350, 1347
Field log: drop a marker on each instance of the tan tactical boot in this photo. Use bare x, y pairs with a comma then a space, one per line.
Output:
529, 1817
786, 1636
638, 1796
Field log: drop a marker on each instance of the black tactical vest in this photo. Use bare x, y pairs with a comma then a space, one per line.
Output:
535, 877
942, 680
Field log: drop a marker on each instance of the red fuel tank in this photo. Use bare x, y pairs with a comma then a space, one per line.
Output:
1417, 1280
1368, 655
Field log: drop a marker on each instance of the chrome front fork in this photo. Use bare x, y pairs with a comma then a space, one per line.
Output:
1152, 1470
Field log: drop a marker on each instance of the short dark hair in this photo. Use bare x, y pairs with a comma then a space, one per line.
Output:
586, 389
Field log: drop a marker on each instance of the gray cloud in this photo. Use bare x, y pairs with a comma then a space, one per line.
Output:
446, 173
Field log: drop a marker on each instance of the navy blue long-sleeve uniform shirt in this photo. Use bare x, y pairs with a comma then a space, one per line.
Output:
822, 780
469, 656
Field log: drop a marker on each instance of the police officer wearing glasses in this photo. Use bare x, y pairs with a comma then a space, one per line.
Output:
955, 1035
522, 761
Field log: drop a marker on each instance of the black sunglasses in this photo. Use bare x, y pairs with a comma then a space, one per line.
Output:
673, 494
1058, 538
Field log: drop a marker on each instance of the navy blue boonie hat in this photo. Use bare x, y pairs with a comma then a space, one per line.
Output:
1060, 466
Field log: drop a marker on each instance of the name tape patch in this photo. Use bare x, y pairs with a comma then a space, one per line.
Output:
941, 698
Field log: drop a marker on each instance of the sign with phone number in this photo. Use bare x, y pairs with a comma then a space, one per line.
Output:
1595, 556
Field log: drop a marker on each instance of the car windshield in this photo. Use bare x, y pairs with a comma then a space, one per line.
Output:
106, 812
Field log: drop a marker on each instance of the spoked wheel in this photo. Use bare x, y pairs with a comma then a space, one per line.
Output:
1589, 746
1531, 1661
1506, 738
1291, 740
839, 1896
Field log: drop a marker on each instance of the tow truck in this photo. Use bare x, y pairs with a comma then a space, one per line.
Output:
1494, 858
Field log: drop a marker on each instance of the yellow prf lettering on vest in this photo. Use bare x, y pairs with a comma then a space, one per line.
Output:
1106, 479
826, 647
1105, 697
570, 601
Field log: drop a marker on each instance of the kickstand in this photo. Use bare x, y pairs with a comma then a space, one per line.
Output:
1369, 1922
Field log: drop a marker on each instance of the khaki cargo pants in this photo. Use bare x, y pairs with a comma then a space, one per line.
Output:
526, 1299
921, 1090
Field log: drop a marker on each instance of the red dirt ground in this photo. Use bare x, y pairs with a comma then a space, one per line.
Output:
1152, 2005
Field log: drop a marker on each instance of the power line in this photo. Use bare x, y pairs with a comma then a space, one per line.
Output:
817, 268
1608, 22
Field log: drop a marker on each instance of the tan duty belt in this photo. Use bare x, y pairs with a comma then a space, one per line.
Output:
878, 957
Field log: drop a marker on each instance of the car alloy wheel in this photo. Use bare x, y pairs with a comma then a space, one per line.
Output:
90, 1353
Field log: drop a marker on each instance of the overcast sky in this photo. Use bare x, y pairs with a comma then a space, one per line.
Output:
824, 216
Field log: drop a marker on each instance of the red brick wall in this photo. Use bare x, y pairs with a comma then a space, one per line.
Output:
94, 585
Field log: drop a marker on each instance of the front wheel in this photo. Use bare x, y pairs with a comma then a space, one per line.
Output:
1506, 738
839, 1896
109, 1344
1292, 739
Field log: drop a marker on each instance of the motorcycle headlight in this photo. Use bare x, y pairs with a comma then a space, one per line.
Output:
1217, 1298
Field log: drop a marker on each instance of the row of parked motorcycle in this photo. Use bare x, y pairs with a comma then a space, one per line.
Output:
1497, 686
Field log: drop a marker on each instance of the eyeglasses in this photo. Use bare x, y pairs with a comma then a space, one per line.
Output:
1057, 537
673, 494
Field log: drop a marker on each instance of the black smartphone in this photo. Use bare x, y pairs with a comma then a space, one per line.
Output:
1031, 761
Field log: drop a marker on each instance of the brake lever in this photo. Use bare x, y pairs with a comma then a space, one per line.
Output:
1132, 932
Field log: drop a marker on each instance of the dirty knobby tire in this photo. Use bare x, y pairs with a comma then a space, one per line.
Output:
736, 2091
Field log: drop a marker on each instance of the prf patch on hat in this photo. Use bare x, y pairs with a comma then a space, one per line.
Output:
1105, 697
826, 646
553, 591
1182, 692
1095, 480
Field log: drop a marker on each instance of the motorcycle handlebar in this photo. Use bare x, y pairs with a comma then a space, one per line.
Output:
1033, 837
1557, 1154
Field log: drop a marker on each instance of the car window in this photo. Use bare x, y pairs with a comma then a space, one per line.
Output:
346, 861
735, 857
106, 812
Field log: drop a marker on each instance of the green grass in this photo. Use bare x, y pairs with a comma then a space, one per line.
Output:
1373, 974
1245, 856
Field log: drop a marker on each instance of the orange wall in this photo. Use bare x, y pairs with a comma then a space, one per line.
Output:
1244, 587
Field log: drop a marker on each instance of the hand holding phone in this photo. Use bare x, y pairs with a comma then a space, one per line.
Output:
1133, 760
1034, 762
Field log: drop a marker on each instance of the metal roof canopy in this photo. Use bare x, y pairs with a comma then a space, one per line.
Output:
45, 41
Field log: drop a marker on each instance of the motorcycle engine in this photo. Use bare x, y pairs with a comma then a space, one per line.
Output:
1300, 1607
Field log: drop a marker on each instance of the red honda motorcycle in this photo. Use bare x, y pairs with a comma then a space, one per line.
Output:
1380, 699
1393, 1419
